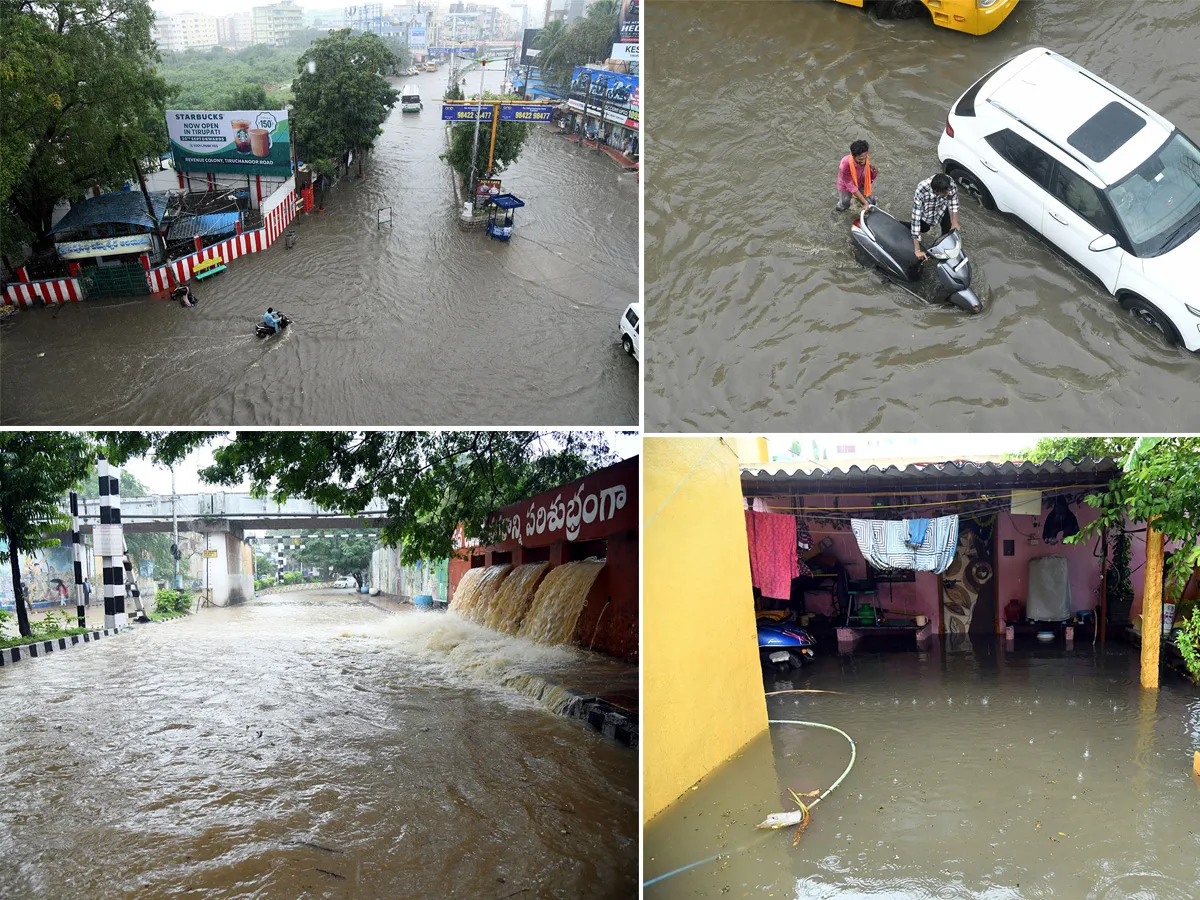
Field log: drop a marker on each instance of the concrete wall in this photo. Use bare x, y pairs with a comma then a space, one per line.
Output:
226, 578
702, 694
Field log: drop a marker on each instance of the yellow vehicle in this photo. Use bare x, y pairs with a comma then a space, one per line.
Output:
970, 16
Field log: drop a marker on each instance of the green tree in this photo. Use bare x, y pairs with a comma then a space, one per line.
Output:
586, 40
1160, 481
430, 481
1076, 448
81, 102
341, 95
510, 140
220, 79
37, 469
331, 554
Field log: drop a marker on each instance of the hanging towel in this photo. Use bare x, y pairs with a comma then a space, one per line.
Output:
916, 532
1061, 519
884, 544
772, 540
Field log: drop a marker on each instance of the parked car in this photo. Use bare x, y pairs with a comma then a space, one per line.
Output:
631, 330
1106, 181
345, 582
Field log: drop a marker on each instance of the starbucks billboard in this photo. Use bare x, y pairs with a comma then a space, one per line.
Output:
242, 142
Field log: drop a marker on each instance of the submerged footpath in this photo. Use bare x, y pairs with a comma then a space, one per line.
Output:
601, 691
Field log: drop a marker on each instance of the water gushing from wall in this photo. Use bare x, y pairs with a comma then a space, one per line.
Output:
477, 605
464, 594
513, 599
559, 601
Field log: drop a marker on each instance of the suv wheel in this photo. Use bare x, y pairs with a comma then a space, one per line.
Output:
971, 186
1150, 315
627, 343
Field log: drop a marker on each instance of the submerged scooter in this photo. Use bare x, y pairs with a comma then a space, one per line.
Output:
888, 242
784, 645
262, 329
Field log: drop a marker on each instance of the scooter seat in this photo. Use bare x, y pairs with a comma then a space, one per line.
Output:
893, 236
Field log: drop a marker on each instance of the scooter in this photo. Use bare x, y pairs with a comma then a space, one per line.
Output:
184, 295
888, 242
784, 645
262, 329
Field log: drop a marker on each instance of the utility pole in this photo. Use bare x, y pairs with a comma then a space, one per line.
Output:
478, 113
175, 527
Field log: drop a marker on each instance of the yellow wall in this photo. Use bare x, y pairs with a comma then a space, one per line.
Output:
702, 686
751, 451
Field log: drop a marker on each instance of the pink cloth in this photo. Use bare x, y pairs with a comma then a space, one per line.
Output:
772, 540
843, 179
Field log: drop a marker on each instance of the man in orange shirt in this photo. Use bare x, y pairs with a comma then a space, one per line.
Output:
855, 175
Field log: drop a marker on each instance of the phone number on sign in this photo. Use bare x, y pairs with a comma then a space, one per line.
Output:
541, 115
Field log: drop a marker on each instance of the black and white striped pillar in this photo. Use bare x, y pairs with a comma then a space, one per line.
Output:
110, 545
131, 581
77, 546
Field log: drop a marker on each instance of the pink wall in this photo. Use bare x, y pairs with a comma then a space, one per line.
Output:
1012, 572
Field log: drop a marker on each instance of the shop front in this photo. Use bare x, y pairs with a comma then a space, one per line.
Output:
606, 108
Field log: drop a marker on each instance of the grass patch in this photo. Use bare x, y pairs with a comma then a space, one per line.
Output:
164, 616
21, 641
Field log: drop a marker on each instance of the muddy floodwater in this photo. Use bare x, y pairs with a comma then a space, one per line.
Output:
760, 317
304, 746
982, 774
414, 324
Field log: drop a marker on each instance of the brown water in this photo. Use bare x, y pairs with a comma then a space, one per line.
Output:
513, 599
419, 323
306, 745
559, 601
982, 773
759, 315
473, 601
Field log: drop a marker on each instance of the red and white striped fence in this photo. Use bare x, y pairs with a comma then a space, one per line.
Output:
278, 211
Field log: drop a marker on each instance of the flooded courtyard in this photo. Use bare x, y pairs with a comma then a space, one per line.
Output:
308, 745
760, 316
416, 323
981, 773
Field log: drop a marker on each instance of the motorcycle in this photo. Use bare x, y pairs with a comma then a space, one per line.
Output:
184, 295
888, 242
262, 329
784, 645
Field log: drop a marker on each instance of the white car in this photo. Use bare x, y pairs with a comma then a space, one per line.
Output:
631, 330
1108, 182
345, 582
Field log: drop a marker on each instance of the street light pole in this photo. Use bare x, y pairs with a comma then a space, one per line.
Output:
175, 526
478, 114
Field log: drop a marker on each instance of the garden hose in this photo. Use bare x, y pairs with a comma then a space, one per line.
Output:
804, 810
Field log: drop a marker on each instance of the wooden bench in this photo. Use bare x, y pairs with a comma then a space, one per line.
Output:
208, 267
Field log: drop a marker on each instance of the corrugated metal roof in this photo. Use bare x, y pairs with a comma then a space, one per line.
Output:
127, 207
211, 223
952, 473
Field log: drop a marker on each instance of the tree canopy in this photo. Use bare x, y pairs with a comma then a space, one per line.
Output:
81, 101
430, 481
332, 554
341, 95
1077, 448
586, 40
510, 140
37, 470
224, 79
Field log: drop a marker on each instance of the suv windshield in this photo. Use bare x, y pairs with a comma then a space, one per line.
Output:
410, 98
1159, 202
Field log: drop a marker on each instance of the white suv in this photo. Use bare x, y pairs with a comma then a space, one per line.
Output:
631, 330
1108, 182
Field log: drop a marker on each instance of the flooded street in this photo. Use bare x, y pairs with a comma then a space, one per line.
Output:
980, 773
419, 323
760, 317
307, 745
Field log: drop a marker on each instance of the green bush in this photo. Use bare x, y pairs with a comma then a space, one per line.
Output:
170, 602
293, 578
1188, 642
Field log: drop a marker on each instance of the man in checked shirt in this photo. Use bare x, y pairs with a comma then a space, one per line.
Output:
936, 200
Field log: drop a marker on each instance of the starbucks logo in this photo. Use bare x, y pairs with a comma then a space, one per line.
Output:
265, 120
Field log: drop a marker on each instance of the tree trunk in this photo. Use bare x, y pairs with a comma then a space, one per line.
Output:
22, 612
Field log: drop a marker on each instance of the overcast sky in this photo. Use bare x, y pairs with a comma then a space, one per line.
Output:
158, 478
929, 447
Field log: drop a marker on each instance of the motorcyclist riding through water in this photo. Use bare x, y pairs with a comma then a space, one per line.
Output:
272, 319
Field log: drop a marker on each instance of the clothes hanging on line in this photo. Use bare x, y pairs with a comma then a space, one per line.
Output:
804, 543
759, 505
916, 532
1061, 519
884, 544
773, 560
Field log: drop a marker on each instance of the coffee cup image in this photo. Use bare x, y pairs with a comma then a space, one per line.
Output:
260, 142
241, 134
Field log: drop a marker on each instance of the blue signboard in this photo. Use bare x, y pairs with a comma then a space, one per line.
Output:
465, 113
615, 91
509, 112
451, 50
525, 112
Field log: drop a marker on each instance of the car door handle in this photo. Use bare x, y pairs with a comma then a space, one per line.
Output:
1058, 218
988, 165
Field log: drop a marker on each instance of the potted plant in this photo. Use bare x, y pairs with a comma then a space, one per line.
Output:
1119, 585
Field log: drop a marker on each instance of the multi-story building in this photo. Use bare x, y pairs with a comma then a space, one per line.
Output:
185, 31
275, 24
235, 31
